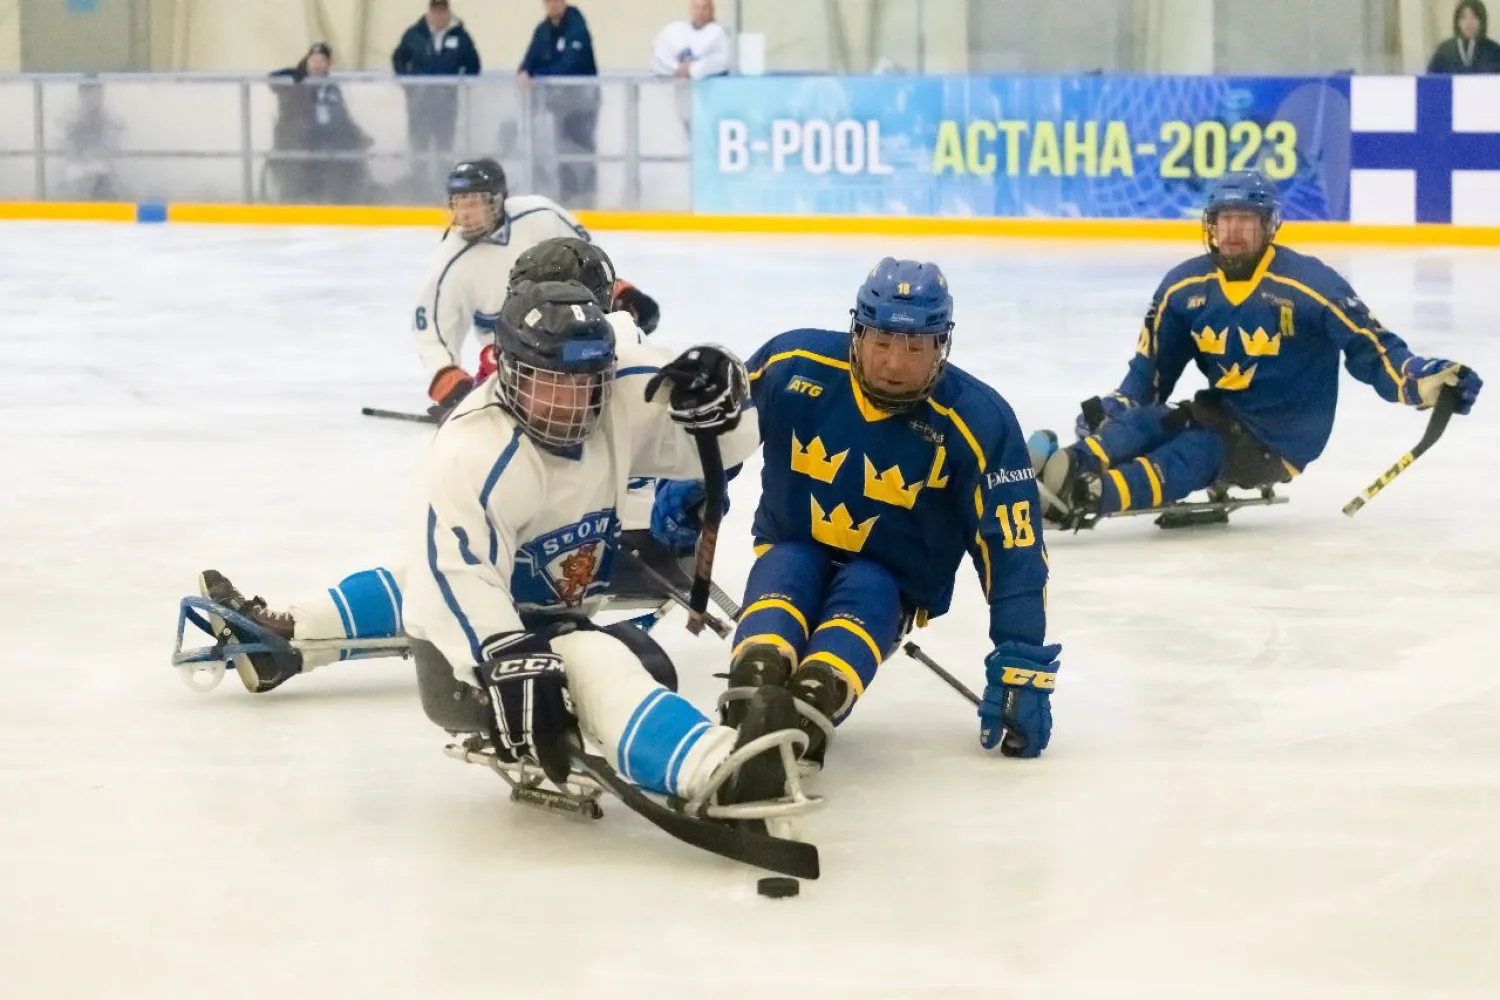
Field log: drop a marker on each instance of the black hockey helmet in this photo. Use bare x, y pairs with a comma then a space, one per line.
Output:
483, 176
555, 355
568, 258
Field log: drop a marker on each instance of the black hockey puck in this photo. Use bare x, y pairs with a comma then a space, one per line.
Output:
777, 887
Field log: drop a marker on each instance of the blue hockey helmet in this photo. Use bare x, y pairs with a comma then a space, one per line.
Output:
1242, 191
902, 299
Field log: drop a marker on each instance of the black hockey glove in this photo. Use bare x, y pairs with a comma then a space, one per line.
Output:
528, 690
708, 389
641, 306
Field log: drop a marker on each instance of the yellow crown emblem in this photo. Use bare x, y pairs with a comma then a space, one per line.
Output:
838, 530
1259, 345
1210, 342
813, 460
1233, 379
889, 487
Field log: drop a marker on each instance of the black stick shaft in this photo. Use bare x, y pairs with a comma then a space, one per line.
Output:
915, 652
416, 418
714, 488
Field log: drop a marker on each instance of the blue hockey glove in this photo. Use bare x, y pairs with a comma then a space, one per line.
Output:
1018, 698
677, 513
1432, 375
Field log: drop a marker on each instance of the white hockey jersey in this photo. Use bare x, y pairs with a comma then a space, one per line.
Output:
511, 529
472, 277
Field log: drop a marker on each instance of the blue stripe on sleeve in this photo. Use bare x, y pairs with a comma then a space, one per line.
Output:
446, 589
489, 487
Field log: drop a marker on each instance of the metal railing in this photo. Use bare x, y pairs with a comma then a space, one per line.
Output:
616, 142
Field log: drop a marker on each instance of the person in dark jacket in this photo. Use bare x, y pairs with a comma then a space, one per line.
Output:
312, 118
561, 46
437, 45
1470, 50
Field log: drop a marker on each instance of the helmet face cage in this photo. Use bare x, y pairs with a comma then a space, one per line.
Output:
556, 409
884, 399
1242, 192
494, 205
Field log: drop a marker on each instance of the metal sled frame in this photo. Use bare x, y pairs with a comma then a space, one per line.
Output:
579, 795
1215, 510
202, 667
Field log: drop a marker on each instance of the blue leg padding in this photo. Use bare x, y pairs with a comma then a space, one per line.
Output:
860, 624
1132, 433
661, 731
369, 602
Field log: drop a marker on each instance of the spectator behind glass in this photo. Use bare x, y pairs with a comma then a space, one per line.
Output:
312, 118
696, 48
91, 138
1469, 50
437, 45
561, 46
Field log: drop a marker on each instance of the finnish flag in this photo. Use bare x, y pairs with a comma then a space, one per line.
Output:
1424, 149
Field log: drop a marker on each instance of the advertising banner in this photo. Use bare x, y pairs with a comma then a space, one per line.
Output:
1047, 147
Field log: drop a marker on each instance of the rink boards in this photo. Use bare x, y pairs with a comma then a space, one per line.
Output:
686, 222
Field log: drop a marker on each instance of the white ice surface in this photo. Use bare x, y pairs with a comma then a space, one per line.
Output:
1276, 764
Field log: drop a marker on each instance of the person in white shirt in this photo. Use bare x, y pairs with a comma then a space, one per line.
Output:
695, 48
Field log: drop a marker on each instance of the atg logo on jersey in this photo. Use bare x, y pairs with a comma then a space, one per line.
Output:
565, 563
1004, 476
805, 387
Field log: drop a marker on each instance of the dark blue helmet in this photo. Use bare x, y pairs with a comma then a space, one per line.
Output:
904, 296
486, 177
1242, 191
903, 299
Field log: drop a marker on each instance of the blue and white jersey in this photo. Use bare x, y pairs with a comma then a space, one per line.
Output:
510, 529
469, 278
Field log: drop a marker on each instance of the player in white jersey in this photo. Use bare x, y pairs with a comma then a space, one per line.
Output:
522, 487
490, 230
367, 605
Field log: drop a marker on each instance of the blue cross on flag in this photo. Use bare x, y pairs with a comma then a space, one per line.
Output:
1424, 149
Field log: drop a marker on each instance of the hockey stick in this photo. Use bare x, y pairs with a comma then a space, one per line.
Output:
915, 652
730, 608
674, 592
738, 843
416, 418
714, 488
1446, 404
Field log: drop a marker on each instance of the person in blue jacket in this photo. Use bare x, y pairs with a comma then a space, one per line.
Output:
561, 46
437, 45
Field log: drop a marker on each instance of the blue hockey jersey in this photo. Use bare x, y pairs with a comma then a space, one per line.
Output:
1269, 347
913, 491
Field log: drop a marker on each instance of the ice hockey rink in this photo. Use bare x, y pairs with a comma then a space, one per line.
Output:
1275, 770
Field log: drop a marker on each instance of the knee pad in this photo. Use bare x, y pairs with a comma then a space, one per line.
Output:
646, 649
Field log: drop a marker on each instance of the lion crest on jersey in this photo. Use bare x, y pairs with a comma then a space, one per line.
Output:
567, 565
578, 572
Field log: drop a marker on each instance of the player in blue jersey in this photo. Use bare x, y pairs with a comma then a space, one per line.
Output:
884, 466
1267, 327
